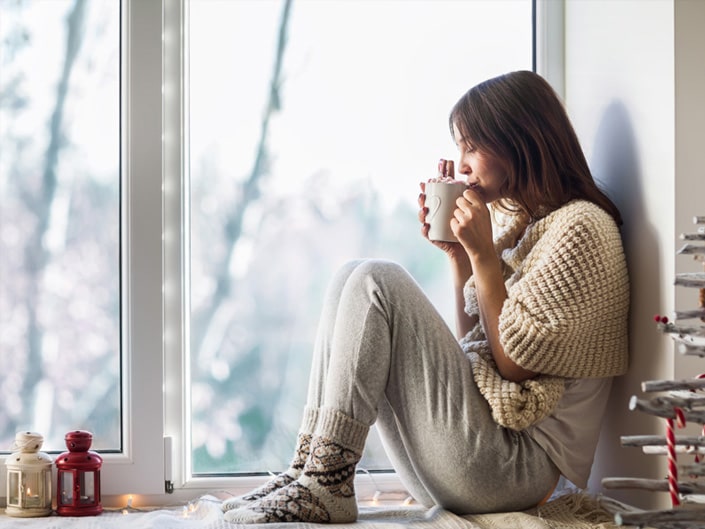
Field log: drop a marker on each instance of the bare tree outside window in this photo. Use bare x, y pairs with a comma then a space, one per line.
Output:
59, 220
309, 135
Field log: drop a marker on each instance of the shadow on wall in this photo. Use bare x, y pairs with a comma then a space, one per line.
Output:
616, 166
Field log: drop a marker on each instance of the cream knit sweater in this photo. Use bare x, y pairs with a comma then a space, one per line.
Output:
565, 315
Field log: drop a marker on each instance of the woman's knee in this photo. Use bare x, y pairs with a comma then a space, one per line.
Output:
380, 269
361, 272
385, 279
343, 273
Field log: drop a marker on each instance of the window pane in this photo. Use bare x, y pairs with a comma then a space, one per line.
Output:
288, 183
59, 220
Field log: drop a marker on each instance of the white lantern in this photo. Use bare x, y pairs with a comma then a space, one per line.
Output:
28, 477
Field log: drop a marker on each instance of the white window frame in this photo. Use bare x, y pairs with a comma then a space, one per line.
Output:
139, 468
549, 42
155, 362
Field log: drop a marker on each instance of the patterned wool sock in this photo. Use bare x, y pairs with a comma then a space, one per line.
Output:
325, 491
303, 447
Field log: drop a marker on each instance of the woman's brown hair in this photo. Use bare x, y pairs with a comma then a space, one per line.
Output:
519, 119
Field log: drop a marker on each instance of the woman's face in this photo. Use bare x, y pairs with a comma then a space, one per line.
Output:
483, 172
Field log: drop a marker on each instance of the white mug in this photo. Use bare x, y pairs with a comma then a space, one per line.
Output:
440, 201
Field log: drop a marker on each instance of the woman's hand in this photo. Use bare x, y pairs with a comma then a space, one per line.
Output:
472, 224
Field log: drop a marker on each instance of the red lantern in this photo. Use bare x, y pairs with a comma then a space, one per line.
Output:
78, 490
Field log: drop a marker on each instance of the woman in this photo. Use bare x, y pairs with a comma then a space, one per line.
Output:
490, 420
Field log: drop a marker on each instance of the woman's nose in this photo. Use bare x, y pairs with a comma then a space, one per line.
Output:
463, 168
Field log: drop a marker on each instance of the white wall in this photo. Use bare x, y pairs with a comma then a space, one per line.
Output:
689, 147
630, 66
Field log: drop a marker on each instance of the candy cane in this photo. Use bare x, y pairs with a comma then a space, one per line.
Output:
672, 463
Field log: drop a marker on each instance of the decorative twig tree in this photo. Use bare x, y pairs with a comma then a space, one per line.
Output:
679, 402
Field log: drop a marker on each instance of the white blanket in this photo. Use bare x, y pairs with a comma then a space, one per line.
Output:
572, 511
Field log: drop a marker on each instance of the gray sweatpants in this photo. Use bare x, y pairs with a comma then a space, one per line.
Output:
383, 353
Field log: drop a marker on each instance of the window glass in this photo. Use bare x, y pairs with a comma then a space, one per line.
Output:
311, 125
59, 220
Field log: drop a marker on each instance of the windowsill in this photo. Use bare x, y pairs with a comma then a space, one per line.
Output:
570, 510
204, 512
371, 489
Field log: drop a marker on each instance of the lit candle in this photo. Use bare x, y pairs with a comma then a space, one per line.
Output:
31, 500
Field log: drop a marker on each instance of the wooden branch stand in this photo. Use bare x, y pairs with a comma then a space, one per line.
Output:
678, 403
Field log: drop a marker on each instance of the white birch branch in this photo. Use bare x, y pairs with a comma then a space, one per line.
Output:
671, 328
688, 347
700, 236
654, 485
691, 279
662, 408
660, 440
668, 385
650, 518
689, 314
680, 449
691, 249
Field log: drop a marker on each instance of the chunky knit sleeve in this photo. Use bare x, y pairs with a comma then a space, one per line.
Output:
567, 306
